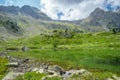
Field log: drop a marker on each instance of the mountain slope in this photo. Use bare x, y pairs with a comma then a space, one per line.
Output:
100, 20
25, 10
9, 28
30, 20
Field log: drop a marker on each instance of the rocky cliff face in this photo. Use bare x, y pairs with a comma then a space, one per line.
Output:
28, 21
25, 10
100, 20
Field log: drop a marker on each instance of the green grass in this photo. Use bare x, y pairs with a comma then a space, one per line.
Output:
31, 76
3, 67
92, 51
54, 78
35, 76
81, 58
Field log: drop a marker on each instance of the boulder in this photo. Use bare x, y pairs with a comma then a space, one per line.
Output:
41, 71
109, 79
35, 69
12, 75
25, 60
13, 64
82, 72
116, 77
57, 69
24, 48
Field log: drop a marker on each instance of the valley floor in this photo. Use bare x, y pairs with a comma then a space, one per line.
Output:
99, 53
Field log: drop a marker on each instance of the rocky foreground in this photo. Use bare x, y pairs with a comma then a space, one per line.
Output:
19, 66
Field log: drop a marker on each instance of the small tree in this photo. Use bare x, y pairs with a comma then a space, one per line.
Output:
55, 44
114, 31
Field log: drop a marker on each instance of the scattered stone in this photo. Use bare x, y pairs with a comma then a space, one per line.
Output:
109, 79
12, 75
115, 77
50, 75
44, 78
18, 65
50, 72
54, 75
25, 60
41, 71
57, 69
24, 48
35, 69
82, 72
13, 64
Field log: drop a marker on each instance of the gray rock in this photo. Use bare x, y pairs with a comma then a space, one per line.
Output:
13, 64
41, 71
109, 79
25, 60
12, 75
57, 69
24, 48
82, 72
116, 77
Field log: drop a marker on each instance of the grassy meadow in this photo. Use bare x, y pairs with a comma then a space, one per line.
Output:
3, 67
96, 52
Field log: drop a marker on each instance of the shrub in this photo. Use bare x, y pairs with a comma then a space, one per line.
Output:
112, 60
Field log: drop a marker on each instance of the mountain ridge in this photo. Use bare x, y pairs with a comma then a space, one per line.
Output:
32, 21
100, 20
26, 10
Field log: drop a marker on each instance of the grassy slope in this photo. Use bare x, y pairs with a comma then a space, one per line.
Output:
2, 67
97, 52
30, 26
85, 24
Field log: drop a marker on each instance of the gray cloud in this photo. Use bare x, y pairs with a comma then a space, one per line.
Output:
73, 9
68, 1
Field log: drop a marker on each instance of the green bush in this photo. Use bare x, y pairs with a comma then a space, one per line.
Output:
112, 60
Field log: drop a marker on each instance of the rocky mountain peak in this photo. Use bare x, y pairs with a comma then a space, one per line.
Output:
97, 12
117, 11
25, 10
9, 9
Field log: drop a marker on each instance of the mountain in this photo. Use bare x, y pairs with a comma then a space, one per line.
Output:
25, 10
100, 20
28, 21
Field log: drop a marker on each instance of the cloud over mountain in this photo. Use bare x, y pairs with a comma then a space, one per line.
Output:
20, 3
75, 9
66, 9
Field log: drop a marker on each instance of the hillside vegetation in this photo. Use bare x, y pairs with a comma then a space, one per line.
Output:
27, 34
94, 51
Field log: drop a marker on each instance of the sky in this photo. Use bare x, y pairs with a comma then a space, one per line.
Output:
66, 9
